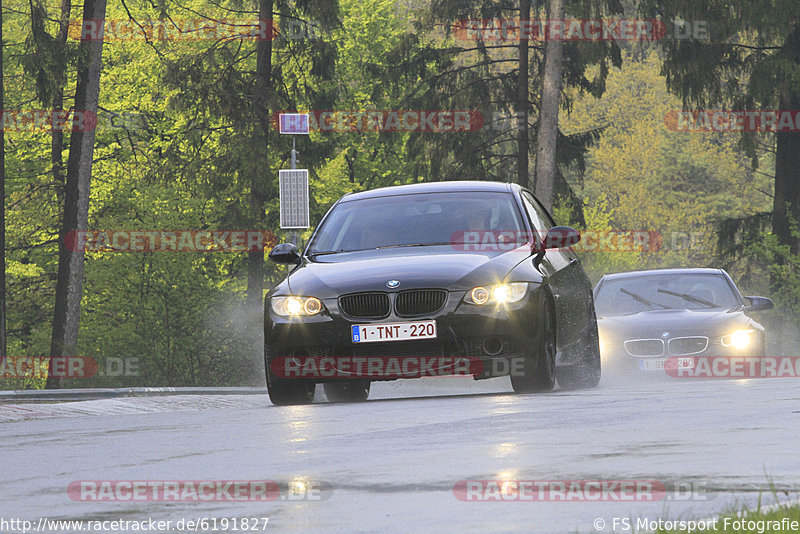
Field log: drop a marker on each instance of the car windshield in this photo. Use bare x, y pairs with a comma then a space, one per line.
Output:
634, 294
419, 220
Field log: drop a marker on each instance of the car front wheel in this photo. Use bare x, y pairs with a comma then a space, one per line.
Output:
539, 362
286, 391
291, 392
347, 391
586, 373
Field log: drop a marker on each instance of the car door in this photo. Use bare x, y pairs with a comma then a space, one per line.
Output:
565, 277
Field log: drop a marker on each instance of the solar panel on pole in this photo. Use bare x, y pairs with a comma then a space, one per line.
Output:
294, 209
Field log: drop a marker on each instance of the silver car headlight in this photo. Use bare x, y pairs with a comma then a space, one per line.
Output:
739, 339
296, 306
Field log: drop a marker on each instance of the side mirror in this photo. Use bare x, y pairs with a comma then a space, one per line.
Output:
285, 253
759, 304
561, 237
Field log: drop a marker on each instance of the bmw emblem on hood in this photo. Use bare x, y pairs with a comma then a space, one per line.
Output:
393, 283
665, 335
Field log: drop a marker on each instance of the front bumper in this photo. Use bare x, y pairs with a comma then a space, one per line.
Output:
493, 335
616, 358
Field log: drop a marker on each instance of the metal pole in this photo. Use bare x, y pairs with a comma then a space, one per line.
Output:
294, 166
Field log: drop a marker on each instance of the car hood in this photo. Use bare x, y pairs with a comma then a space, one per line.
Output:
652, 324
414, 267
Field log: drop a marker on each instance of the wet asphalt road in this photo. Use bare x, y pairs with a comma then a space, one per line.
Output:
391, 464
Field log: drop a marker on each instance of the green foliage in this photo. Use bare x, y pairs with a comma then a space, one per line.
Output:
642, 176
191, 157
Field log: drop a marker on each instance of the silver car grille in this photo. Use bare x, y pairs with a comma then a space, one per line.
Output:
645, 347
685, 346
677, 346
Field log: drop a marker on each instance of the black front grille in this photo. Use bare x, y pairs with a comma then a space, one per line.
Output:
365, 305
400, 349
416, 302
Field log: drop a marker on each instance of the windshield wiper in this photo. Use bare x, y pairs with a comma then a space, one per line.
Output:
326, 252
412, 245
689, 298
639, 298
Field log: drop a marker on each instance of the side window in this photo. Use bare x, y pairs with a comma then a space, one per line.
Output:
539, 217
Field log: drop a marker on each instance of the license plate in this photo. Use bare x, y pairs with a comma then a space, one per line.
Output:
657, 364
365, 333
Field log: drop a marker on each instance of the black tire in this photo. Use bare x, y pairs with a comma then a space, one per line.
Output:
586, 373
291, 392
347, 390
287, 392
539, 362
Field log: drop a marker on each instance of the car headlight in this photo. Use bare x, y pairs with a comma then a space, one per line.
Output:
296, 306
604, 342
499, 294
740, 339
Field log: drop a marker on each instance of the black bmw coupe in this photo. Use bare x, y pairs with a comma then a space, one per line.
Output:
431, 279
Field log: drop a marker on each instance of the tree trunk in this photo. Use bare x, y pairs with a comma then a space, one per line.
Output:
69, 284
57, 140
548, 113
2, 201
522, 94
259, 175
786, 202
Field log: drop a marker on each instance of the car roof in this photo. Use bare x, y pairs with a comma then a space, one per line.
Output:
649, 272
433, 187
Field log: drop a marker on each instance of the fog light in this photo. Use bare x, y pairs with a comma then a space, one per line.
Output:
492, 346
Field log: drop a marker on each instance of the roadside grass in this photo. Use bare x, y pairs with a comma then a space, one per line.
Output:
774, 519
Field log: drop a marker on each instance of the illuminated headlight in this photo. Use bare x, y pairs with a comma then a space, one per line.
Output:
740, 339
500, 294
479, 295
605, 344
296, 306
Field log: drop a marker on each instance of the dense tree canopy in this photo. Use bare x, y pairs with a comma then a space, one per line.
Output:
185, 141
